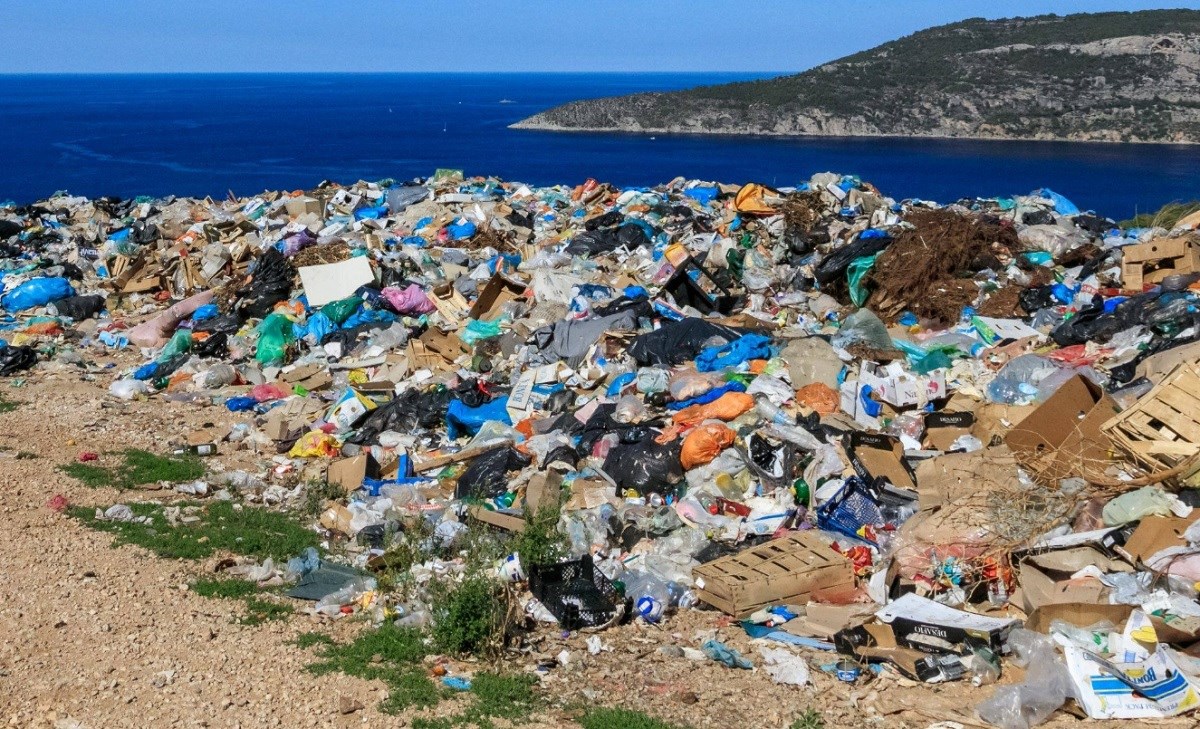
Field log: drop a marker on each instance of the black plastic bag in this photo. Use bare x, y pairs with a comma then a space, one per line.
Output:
603, 240
607, 220
1033, 300
487, 476
408, 412
223, 323
78, 308
270, 283
15, 359
214, 345
678, 342
645, 466
833, 267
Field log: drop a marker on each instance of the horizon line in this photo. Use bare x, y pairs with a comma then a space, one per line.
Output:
379, 73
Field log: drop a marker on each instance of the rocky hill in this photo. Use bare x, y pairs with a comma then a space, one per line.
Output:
1131, 77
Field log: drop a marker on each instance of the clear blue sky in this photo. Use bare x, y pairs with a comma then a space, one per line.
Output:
458, 35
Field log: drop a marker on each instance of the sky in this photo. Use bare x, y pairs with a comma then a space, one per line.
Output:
170, 36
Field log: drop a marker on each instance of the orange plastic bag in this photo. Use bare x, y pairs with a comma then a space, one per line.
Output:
726, 407
819, 396
704, 444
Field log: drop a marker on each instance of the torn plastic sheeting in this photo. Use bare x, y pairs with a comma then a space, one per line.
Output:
678, 342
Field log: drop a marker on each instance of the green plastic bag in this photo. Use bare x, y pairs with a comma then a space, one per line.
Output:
855, 274
476, 330
340, 310
274, 335
180, 342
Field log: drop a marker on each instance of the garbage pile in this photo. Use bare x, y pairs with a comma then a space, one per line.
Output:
904, 438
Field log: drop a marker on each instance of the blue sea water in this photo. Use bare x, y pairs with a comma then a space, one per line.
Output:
208, 134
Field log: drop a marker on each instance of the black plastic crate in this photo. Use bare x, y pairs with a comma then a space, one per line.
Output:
576, 593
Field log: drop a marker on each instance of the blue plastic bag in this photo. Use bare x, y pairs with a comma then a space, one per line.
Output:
1061, 205
37, 292
750, 346
464, 420
461, 229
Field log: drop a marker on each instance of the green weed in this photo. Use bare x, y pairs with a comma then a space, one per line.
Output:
505, 696
810, 719
7, 406
312, 638
542, 542
602, 718
469, 617
234, 589
258, 610
248, 531
137, 467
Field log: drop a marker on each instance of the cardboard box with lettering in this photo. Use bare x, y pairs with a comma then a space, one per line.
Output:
925, 625
874, 455
942, 429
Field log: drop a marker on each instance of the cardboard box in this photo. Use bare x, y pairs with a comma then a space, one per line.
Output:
1063, 437
499, 291
874, 455
785, 570
1150, 263
1045, 579
1156, 533
942, 429
931, 627
877, 642
898, 387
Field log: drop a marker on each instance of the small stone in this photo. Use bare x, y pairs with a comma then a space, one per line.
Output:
349, 704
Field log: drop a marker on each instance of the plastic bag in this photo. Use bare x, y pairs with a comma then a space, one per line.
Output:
487, 476
784, 667
1134, 505
704, 443
688, 384
723, 654
274, 335
645, 466
751, 346
476, 330
128, 389
340, 310
1047, 685
862, 327
726, 407
37, 292
315, 444
15, 359
410, 300
855, 273
462, 419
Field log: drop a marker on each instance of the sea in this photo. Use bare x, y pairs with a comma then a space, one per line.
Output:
209, 134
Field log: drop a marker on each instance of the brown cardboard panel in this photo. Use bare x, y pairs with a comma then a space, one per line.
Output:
348, 472
1062, 438
506, 522
1156, 533
498, 292
875, 455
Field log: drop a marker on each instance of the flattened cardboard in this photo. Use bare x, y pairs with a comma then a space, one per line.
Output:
333, 281
1046, 578
348, 472
507, 522
1156, 533
1062, 438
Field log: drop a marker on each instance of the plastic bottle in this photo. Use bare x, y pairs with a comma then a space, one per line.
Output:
771, 412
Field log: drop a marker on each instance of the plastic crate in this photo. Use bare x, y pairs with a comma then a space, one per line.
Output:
855, 506
576, 593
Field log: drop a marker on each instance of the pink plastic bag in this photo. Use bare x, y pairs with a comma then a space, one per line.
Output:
156, 332
411, 300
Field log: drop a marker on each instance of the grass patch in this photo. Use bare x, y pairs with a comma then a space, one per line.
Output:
1165, 217
258, 610
810, 719
233, 589
137, 468
542, 542
7, 406
390, 654
505, 696
89, 474
248, 531
312, 638
602, 718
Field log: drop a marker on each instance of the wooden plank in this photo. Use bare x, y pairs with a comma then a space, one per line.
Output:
463, 455
1176, 421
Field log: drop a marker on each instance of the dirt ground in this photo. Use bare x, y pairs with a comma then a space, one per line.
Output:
96, 636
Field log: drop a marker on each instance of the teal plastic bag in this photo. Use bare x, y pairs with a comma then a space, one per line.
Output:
340, 310
478, 330
855, 273
274, 335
